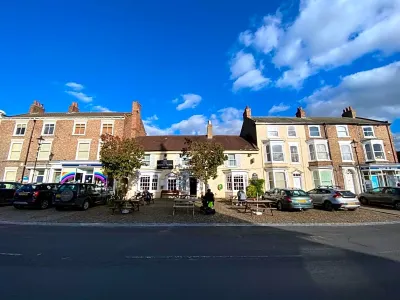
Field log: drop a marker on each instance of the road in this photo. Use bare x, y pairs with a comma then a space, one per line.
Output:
199, 263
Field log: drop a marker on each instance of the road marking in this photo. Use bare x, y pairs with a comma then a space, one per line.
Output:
10, 254
193, 257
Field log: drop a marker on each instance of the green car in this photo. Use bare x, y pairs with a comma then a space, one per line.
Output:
290, 199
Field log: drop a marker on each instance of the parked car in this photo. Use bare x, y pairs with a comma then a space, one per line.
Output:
35, 195
334, 198
78, 195
7, 190
382, 196
288, 199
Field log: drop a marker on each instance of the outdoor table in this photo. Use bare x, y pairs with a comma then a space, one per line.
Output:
263, 204
121, 205
187, 203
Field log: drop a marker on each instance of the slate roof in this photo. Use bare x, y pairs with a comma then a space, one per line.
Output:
318, 120
68, 115
177, 142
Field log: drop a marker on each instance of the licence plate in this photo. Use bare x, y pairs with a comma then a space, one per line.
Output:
58, 196
301, 201
351, 203
23, 194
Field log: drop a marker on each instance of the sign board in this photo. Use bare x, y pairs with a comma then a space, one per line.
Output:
165, 164
25, 179
254, 176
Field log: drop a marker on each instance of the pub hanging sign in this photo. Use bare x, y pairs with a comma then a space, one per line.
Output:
165, 164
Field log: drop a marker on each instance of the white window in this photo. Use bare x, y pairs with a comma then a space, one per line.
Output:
319, 150
229, 182
154, 183
236, 181
83, 150
15, 150
274, 151
294, 153
144, 183
44, 151
346, 152
20, 129
48, 128
171, 184
322, 178
374, 150
10, 174
314, 131
368, 131
107, 128
277, 179
146, 160
342, 131
38, 177
79, 128
232, 162
273, 131
292, 131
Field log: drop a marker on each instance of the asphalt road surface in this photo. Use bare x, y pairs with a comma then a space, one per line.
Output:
199, 263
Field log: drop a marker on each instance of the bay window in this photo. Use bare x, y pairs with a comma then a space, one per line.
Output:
148, 182
236, 181
318, 150
374, 150
322, 178
274, 152
277, 179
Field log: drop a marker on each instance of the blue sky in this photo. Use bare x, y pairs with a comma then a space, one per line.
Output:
190, 61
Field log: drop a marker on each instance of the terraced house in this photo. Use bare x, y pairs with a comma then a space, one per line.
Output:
348, 151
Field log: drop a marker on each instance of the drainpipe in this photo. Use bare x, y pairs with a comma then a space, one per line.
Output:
27, 151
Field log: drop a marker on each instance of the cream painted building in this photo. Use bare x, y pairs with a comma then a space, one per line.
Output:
283, 151
165, 168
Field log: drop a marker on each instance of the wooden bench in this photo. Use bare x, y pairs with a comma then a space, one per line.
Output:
169, 194
179, 203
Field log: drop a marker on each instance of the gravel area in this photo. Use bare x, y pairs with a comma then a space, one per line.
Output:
161, 212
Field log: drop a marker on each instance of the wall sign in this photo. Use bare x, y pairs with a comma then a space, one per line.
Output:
164, 164
254, 176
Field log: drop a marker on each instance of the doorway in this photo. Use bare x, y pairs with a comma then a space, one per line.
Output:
193, 186
297, 180
349, 181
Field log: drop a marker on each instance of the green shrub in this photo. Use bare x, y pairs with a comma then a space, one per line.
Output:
251, 191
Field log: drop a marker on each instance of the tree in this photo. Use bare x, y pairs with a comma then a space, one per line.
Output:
120, 157
203, 158
255, 188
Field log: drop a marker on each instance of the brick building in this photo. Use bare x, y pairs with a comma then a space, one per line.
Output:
69, 142
348, 151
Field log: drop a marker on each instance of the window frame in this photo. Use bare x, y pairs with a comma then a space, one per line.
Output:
230, 180
295, 131
16, 127
51, 146
79, 123
346, 128
235, 156
315, 144
10, 169
77, 149
104, 122
298, 153
319, 177
319, 131
268, 149
373, 131
44, 126
371, 143
273, 128
149, 161
149, 183
286, 177
20, 152
347, 143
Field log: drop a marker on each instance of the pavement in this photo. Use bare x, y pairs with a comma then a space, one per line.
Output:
383, 210
46, 262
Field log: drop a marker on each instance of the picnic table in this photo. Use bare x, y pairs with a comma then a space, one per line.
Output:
256, 205
122, 204
184, 202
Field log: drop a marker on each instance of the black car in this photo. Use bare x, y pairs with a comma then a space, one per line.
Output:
7, 190
78, 195
35, 195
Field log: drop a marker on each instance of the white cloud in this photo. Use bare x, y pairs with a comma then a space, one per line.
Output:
101, 108
75, 86
361, 91
245, 72
278, 108
226, 121
320, 38
189, 101
76, 91
396, 138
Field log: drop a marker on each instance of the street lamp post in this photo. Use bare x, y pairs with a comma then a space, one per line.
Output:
40, 141
354, 145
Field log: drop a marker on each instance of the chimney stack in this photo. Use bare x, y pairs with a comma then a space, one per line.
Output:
73, 108
137, 126
301, 113
209, 130
247, 113
36, 108
348, 112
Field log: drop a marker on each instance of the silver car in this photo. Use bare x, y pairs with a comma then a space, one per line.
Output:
334, 199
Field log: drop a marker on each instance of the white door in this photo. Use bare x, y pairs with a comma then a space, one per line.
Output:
349, 181
297, 182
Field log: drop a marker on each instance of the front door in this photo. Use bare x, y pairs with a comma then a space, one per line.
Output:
349, 181
297, 181
193, 186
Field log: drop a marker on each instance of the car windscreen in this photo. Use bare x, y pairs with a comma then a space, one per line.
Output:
25, 188
347, 194
67, 187
8, 186
297, 193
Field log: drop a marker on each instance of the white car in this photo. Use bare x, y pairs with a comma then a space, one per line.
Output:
334, 199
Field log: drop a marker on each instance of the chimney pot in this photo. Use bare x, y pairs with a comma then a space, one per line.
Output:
300, 112
73, 108
349, 112
36, 108
209, 130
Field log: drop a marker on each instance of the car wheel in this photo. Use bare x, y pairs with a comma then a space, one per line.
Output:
44, 204
279, 205
397, 206
328, 206
85, 205
364, 201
